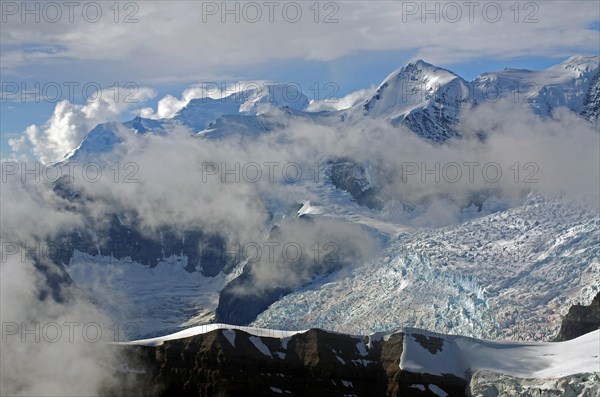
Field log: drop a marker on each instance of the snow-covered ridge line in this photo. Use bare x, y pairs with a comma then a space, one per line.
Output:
426, 98
204, 329
437, 354
461, 355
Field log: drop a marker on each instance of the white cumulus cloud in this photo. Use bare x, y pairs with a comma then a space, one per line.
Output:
69, 123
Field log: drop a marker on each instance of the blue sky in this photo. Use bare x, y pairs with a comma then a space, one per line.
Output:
174, 46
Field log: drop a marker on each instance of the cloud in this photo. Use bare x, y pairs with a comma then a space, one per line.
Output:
165, 32
168, 106
70, 122
520, 153
18, 144
344, 102
46, 346
302, 249
48, 360
172, 42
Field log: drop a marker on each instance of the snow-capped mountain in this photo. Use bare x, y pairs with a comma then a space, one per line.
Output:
429, 100
249, 126
202, 115
567, 84
426, 98
199, 113
105, 137
101, 139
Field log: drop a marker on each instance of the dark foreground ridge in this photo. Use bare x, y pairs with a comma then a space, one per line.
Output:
232, 362
314, 363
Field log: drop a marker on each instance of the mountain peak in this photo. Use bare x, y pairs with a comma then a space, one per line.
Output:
427, 76
422, 68
424, 96
424, 65
421, 63
579, 64
583, 58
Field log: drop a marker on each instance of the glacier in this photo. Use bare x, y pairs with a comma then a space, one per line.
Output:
511, 274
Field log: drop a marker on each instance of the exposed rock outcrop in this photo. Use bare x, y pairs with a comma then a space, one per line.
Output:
313, 363
351, 177
580, 320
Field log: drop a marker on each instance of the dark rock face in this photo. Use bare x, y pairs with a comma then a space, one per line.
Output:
315, 363
434, 123
240, 304
580, 320
55, 278
591, 103
143, 125
120, 240
431, 343
350, 176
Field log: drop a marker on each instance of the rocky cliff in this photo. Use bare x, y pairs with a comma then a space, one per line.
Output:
313, 363
580, 320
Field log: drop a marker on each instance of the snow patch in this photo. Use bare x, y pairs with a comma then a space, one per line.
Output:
258, 343
546, 360
230, 335
437, 391
203, 329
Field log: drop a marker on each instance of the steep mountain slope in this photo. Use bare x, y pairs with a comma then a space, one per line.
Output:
426, 98
580, 320
565, 84
591, 103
